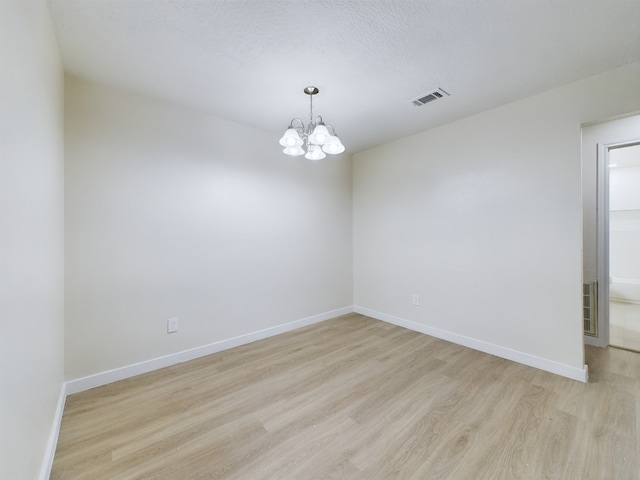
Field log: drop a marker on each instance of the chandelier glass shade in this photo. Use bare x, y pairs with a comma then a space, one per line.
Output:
314, 140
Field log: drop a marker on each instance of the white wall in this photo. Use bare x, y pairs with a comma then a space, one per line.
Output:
624, 185
174, 213
31, 236
482, 218
614, 131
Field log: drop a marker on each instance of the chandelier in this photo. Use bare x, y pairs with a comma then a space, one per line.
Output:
314, 140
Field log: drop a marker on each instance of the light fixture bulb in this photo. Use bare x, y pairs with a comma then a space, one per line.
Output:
315, 153
320, 135
294, 151
333, 146
290, 138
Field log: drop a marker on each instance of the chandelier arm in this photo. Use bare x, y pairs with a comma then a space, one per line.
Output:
331, 127
301, 123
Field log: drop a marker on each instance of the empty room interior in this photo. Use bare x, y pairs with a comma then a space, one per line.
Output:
298, 240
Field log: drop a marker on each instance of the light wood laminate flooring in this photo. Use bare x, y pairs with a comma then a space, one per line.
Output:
356, 398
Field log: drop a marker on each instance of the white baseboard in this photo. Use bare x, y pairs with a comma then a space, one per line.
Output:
47, 463
103, 378
580, 374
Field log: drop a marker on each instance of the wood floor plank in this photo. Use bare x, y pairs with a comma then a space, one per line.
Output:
357, 399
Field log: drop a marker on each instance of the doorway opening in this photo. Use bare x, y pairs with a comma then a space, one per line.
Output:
624, 246
611, 232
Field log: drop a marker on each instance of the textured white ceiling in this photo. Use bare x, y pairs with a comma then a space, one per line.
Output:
248, 61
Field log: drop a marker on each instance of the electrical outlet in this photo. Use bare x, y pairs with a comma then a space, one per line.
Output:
172, 325
416, 299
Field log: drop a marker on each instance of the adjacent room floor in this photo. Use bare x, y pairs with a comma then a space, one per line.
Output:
624, 325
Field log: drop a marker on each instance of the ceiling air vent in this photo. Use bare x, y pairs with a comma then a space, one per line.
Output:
429, 97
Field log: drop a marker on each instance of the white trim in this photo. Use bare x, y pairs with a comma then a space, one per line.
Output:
91, 381
623, 301
507, 353
47, 463
630, 281
103, 378
601, 338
